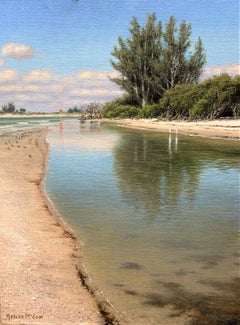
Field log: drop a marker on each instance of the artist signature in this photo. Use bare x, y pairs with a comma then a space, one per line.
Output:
24, 316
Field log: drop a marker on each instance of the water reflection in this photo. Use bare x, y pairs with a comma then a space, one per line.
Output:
84, 135
171, 140
152, 172
89, 126
61, 128
159, 170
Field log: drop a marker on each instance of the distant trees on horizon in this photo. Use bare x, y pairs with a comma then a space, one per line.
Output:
10, 108
91, 110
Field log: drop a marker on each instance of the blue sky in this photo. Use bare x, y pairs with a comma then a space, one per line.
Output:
69, 42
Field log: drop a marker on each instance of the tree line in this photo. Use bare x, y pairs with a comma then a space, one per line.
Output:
91, 110
214, 98
159, 72
10, 108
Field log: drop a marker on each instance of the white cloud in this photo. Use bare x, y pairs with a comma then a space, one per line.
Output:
95, 75
8, 75
2, 62
38, 75
96, 92
16, 88
91, 75
41, 90
231, 69
18, 51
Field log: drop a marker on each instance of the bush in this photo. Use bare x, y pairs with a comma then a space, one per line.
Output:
214, 98
177, 102
111, 109
201, 109
150, 111
122, 111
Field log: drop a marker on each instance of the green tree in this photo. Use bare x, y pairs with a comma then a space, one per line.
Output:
151, 61
74, 109
138, 60
9, 108
22, 110
178, 64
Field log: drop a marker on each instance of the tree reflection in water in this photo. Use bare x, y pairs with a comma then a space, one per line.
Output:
155, 170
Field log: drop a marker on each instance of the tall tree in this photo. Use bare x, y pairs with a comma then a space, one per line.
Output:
151, 60
138, 61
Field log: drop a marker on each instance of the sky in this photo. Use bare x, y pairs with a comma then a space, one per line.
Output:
56, 53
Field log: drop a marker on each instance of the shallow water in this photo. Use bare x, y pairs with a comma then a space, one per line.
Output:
158, 215
9, 124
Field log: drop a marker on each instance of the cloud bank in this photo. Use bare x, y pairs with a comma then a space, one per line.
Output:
42, 91
231, 69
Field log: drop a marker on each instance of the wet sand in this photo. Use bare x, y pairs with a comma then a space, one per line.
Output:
223, 128
43, 279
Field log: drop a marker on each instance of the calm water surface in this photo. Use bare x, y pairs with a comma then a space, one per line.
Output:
158, 215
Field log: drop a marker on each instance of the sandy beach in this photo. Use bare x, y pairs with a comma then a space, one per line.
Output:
43, 280
224, 128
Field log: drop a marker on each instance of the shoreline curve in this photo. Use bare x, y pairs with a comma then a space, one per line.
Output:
43, 276
108, 311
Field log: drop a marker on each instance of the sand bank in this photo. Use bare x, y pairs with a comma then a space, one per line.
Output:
39, 256
224, 128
